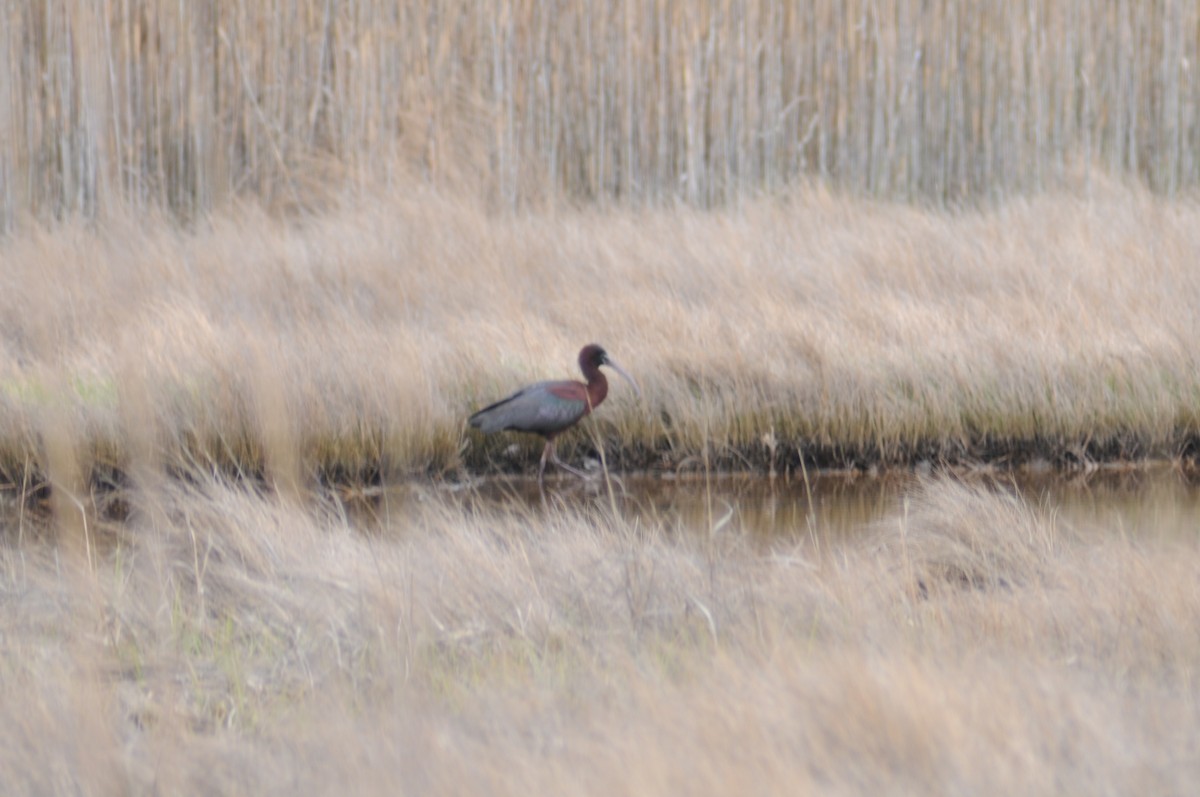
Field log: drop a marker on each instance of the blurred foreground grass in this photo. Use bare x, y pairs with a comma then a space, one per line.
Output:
227, 641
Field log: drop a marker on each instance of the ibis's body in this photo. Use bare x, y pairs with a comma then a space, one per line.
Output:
549, 408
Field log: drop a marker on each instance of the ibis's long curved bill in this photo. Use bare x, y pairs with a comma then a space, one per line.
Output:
625, 374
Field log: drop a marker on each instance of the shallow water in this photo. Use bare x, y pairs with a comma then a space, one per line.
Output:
1149, 501
1157, 500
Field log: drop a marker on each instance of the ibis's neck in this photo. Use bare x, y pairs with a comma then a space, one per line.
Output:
597, 385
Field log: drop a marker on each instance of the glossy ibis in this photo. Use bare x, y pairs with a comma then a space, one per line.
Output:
549, 408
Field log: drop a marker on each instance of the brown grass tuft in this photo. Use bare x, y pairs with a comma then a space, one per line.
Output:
844, 332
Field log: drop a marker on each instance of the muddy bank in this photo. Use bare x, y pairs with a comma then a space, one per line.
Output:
787, 457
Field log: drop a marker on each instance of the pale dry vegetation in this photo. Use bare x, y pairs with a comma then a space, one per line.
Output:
253, 249
230, 642
187, 104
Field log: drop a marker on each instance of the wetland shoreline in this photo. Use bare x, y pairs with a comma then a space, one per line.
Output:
102, 480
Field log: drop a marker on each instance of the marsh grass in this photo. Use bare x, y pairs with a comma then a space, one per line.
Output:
238, 641
838, 331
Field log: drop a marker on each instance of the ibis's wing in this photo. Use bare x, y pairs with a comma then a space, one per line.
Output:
544, 408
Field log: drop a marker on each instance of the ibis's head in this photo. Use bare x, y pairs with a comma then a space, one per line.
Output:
593, 356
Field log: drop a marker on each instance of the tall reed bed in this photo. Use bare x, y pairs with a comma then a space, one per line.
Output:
188, 104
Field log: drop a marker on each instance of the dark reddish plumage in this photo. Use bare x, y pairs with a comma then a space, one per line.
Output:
548, 408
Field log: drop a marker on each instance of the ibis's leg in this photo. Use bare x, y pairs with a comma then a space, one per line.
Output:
547, 451
554, 458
